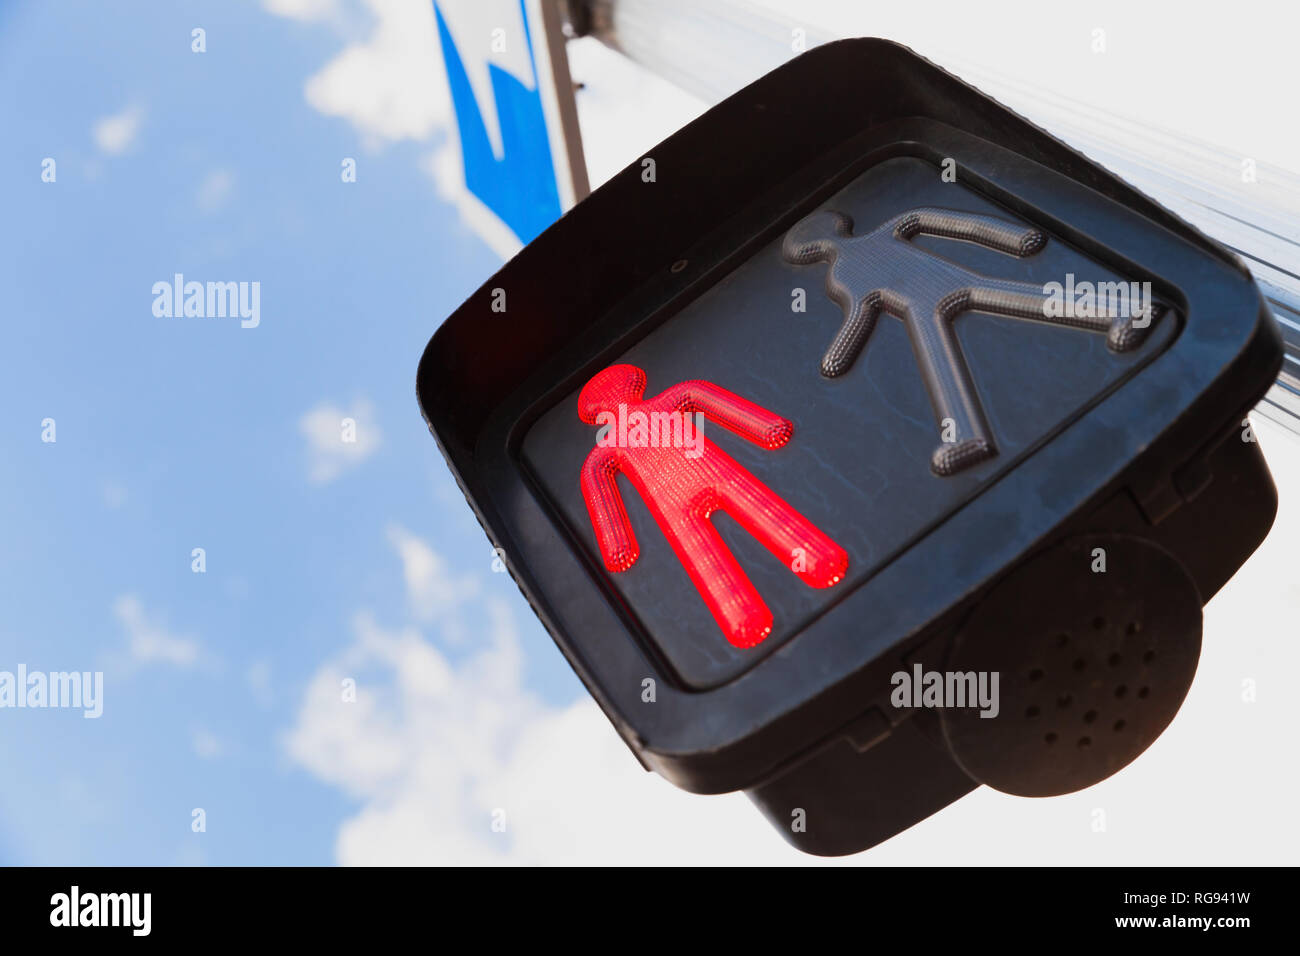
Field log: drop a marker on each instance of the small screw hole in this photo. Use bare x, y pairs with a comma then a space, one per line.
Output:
678, 266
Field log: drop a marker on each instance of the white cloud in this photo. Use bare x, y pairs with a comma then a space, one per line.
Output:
148, 641
390, 86
431, 750
334, 445
305, 10
430, 589
215, 190
115, 134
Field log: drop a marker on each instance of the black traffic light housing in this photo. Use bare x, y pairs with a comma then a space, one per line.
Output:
1117, 487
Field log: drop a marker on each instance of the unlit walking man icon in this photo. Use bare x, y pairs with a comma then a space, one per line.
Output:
683, 491
883, 271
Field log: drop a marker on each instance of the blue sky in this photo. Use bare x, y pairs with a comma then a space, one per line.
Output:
327, 561
182, 433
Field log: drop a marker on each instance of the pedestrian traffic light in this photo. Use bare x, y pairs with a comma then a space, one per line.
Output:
862, 444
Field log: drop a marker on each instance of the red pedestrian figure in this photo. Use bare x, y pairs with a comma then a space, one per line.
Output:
682, 490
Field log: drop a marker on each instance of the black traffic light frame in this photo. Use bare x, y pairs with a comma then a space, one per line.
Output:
1155, 457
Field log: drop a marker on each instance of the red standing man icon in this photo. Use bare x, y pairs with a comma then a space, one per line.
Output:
683, 491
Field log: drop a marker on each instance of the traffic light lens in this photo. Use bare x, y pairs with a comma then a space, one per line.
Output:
852, 454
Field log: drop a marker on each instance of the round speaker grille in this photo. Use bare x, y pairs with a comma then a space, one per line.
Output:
1092, 665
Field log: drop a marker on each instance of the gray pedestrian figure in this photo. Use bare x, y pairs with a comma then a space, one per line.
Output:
883, 271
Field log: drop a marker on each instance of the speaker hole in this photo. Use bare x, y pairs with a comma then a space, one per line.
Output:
1133, 627
1143, 692
1119, 725
1148, 657
1062, 639
1120, 691
1113, 660
1036, 674
1085, 743
1090, 716
1080, 664
1064, 702
1050, 739
1098, 623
